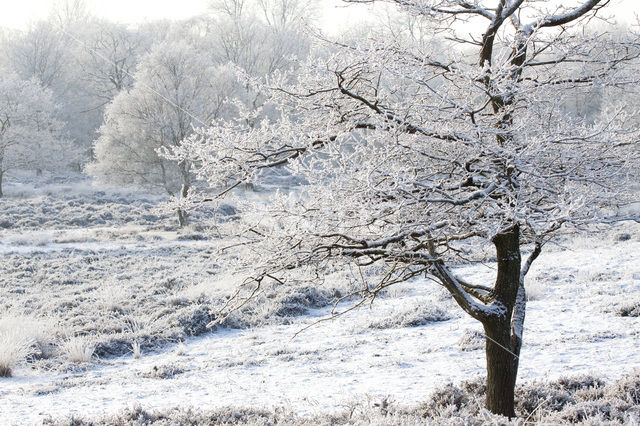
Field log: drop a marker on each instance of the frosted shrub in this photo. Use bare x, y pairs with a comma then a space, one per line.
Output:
20, 337
14, 347
627, 388
629, 309
535, 288
449, 400
471, 340
414, 316
166, 371
78, 349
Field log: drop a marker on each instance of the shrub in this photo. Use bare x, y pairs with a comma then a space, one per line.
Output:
20, 337
532, 398
626, 389
166, 371
412, 317
450, 399
78, 349
471, 340
630, 309
14, 347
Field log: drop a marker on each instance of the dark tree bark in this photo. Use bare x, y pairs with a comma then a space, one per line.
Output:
502, 369
502, 346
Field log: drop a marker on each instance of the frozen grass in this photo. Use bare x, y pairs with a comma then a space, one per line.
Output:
111, 266
414, 315
471, 340
14, 348
74, 202
569, 400
535, 287
78, 349
136, 350
629, 308
151, 296
117, 295
165, 371
164, 291
22, 337
101, 262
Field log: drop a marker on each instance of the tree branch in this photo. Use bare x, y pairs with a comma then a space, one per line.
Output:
554, 21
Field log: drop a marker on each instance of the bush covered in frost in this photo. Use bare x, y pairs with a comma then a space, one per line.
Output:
412, 316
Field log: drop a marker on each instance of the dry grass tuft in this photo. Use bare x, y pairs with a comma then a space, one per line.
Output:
78, 349
21, 337
14, 348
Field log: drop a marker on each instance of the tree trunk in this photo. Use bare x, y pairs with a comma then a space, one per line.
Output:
183, 216
502, 368
502, 345
1, 174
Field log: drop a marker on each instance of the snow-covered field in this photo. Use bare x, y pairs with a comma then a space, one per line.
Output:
113, 300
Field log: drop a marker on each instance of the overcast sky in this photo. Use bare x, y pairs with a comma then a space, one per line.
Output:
18, 13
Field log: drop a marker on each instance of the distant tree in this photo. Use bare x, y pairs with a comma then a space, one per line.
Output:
68, 14
40, 52
30, 136
48, 51
260, 36
176, 88
415, 156
111, 52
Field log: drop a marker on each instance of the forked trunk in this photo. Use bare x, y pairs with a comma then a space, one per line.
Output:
502, 338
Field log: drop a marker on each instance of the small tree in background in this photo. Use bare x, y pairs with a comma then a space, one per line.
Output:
176, 88
416, 156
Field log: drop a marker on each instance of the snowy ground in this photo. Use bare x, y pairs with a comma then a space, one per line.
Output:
89, 280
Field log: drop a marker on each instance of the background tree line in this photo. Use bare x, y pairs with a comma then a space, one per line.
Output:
109, 95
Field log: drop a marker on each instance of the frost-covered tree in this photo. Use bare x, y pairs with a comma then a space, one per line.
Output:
68, 14
260, 36
417, 157
39, 52
30, 135
176, 88
48, 51
111, 52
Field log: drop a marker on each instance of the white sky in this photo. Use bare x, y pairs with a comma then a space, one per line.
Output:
18, 13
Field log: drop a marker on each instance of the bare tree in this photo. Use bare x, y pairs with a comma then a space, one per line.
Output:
69, 13
416, 156
262, 42
288, 14
111, 53
39, 53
